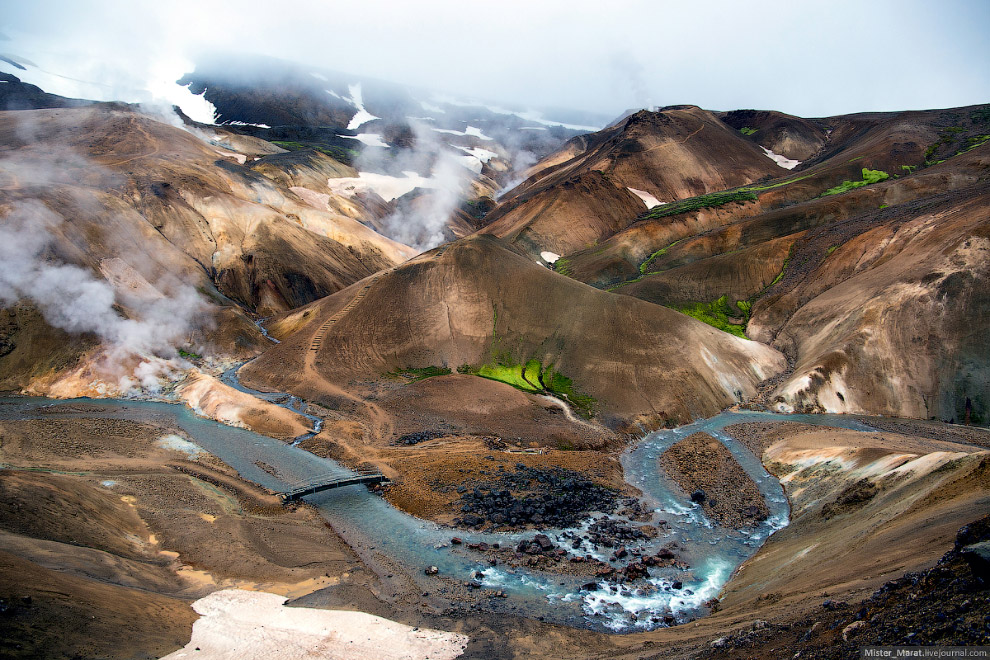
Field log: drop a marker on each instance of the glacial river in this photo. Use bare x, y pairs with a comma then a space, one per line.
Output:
378, 530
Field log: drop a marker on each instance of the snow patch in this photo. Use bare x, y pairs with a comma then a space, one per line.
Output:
549, 257
387, 187
783, 161
471, 131
476, 158
235, 122
369, 139
647, 198
362, 116
242, 624
318, 76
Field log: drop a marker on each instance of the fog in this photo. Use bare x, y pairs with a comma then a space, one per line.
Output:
810, 59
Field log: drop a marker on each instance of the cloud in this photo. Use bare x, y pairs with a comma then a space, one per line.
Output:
806, 58
420, 223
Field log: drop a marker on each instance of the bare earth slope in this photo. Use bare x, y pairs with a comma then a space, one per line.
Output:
474, 303
583, 194
165, 219
870, 291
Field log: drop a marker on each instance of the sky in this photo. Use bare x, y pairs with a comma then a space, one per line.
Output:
809, 58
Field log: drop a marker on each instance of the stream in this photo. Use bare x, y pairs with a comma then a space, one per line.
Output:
377, 530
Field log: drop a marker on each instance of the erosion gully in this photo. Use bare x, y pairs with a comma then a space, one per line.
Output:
377, 530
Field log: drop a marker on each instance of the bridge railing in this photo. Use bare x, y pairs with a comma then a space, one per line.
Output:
330, 477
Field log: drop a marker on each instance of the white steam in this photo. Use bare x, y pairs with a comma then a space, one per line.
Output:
138, 349
420, 223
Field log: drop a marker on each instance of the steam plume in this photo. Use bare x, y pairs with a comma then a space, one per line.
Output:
420, 225
138, 348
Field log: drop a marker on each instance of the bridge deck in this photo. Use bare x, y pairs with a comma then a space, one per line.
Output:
321, 485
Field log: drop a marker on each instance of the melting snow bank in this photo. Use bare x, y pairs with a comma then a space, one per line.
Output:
647, 198
470, 131
783, 161
362, 115
369, 139
550, 257
387, 187
476, 158
241, 625
234, 122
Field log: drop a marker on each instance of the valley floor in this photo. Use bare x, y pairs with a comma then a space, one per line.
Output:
108, 534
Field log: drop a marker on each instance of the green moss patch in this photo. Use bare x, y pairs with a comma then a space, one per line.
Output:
706, 201
717, 314
533, 377
869, 176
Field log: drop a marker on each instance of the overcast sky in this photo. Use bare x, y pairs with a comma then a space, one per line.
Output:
805, 58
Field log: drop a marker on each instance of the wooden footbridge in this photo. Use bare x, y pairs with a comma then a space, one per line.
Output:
329, 481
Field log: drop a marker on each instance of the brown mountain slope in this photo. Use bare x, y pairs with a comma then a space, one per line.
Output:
882, 313
872, 290
787, 135
475, 302
895, 143
678, 152
153, 214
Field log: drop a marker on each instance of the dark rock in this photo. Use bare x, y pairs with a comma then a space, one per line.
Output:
977, 556
456, 540
431, 570
698, 496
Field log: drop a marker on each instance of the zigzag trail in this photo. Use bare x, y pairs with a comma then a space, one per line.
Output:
379, 419
321, 333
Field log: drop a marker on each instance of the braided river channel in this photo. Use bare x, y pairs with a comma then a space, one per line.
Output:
388, 537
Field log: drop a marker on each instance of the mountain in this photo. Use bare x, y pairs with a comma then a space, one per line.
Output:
405, 143
595, 185
158, 221
476, 306
880, 222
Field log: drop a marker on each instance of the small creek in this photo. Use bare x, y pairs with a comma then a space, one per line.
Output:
385, 535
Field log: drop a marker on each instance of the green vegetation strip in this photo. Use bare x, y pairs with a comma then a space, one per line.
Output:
659, 253
535, 378
869, 176
712, 200
718, 314
707, 201
746, 130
